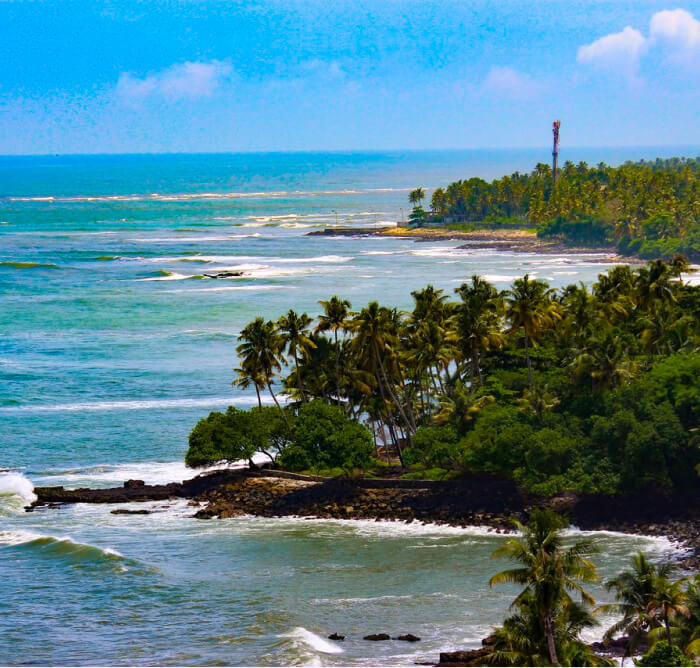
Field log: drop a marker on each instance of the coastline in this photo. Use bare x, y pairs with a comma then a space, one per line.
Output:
513, 240
474, 501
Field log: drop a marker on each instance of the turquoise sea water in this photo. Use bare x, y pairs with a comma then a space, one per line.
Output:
112, 345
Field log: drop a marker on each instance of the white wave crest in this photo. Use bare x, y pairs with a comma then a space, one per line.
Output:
17, 485
132, 405
312, 640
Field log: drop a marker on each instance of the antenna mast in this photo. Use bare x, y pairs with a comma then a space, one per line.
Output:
555, 150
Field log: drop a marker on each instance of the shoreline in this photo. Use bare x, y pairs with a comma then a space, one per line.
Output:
475, 501
513, 240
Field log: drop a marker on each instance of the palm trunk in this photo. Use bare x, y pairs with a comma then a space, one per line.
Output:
257, 392
277, 403
299, 383
337, 365
549, 634
475, 363
527, 357
391, 392
389, 421
668, 628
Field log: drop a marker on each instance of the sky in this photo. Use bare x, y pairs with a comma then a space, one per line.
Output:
108, 76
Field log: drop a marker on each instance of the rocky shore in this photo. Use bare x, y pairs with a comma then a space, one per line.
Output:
477, 500
513, 240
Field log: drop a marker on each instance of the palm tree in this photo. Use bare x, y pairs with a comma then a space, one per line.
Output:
667, 599
549, 572
530, 308
247, 376
260, 351
633, 591
478, 321
334, 317
416, 196
538, 400
294, 330
459, 407
376, 339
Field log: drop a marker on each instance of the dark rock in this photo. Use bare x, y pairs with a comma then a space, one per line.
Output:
408, 637
378, 636
336, 636
124, 511
470, 657
130, 484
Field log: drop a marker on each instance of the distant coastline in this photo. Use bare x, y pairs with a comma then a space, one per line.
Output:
513, 240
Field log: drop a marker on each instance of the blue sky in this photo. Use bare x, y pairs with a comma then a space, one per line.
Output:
106, 76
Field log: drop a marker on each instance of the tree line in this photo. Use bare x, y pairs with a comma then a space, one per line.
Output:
649, 208
573, 389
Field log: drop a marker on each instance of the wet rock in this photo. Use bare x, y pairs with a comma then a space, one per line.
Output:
470, 657
124, 511
377, 636
336, 636
130, 484
408, 637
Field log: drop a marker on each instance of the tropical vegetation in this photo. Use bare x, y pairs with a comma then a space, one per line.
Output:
591, 390
648, 208
553, 608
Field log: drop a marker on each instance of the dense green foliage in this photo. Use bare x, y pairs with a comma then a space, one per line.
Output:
648, 208
663, 654
324, 437
553, 608
588, 390
236, 435
318, 436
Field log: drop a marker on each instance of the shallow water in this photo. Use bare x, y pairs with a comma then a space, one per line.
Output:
111, 348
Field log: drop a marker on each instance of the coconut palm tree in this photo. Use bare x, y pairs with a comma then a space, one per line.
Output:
416, 196
334, 318
247, 376
530, 309
633, 590
549, 572
667, 600
294, 332
260, 351
478, 322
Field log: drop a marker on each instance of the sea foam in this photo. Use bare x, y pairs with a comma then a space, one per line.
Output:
316, 642
17, 485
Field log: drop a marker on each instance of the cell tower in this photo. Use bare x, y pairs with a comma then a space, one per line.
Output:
555, 150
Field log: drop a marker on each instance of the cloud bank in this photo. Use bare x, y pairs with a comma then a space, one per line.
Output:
674, 35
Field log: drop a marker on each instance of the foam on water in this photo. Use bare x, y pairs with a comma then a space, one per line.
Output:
133, 405
17, 485
316, 642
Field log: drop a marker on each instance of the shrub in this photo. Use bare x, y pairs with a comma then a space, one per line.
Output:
662, 654
325, 437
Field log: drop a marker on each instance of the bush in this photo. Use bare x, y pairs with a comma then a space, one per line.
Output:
434, 446
325, 437
236, 435
662, 654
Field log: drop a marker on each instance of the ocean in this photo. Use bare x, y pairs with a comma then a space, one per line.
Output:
113, 343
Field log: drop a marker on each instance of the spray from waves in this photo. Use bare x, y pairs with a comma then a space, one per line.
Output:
315, 642
14, 487
59, 547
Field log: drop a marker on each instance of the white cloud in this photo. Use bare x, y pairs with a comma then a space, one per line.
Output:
673, 35
679, 32
618, 51
510, 83
189, 80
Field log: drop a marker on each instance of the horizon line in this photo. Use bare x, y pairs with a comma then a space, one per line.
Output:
546, 147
